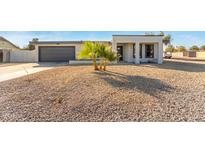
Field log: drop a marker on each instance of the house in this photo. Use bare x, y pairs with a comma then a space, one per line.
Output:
58, 51
131, 49
139, 48
5, 48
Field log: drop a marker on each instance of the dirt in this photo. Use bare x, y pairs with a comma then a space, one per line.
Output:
148, 92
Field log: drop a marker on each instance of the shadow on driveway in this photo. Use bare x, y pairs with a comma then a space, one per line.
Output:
51, 64
146, 85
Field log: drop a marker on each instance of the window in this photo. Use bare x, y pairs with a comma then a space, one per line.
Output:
149, 50
134, 51
140, 50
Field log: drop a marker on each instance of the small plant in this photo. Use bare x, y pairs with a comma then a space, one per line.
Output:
27, 74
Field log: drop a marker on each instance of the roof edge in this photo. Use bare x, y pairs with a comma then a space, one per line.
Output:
63, 42
9, 42
137, 35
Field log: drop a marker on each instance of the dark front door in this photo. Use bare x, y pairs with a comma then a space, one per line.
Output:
1, 56
120, 52
56, 53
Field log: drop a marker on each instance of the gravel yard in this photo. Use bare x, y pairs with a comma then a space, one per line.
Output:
148, 92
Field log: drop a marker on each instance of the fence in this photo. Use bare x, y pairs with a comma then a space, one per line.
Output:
24, 56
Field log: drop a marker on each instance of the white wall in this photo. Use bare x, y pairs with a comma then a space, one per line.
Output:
24, 56
177, 54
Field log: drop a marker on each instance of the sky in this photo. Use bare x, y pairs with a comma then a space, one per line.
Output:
22, 38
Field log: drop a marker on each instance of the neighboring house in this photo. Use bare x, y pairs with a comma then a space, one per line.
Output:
5, 48
131, 49
191, 54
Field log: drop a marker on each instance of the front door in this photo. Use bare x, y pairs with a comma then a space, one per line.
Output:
120, 52
1, 56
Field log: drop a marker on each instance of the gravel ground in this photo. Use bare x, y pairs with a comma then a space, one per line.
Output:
149, 92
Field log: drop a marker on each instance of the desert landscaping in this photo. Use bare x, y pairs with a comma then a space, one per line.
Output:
173, 91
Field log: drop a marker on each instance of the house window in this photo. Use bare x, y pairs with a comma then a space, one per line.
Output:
140, 50
134, 51
149, 50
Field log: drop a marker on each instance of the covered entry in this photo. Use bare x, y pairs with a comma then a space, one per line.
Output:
1, 56
56, 53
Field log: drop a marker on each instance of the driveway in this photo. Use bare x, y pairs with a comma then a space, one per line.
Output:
10, 71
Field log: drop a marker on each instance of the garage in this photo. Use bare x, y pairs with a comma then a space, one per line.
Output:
56, 53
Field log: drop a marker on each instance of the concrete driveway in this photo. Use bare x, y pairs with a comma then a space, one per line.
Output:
10, 71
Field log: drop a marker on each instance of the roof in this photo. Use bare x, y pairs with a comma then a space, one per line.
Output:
64, 42
138, 35
3, 39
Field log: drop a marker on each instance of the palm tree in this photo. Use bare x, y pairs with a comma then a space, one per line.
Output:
106, 54
98, 50
90, 51
167, 39
110, 56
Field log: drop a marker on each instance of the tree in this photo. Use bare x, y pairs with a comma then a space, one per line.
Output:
194, 48
98, 50
35, 40
29, 47
181, 48
90, 50
106, 55
202, 47
167, 39
170, 48
161, 33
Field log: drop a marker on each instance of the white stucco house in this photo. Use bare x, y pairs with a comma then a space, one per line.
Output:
139, 48
131, 49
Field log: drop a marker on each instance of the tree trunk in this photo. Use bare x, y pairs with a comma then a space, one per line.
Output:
95, 64
101, 63
105, 63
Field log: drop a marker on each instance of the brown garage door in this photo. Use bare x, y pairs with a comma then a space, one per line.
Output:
56, 54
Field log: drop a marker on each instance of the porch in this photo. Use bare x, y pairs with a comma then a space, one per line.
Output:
138, 49
147, 52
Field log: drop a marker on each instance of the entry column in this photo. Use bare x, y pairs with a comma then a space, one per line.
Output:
160, 53
137, 51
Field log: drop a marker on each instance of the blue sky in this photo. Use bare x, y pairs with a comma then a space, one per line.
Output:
21, 38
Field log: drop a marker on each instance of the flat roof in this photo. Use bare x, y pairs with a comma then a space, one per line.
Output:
64, 42
138, 35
